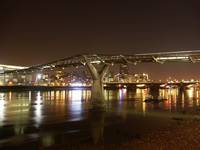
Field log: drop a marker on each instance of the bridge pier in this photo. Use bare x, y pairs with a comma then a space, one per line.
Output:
154, 90
181, 88
97, 74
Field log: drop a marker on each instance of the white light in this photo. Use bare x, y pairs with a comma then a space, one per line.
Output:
38, 110
11, 67
140, 85
76, 105
39, 76
171, 58
76, 84
122, 93
76, 95
96, 62
2, 108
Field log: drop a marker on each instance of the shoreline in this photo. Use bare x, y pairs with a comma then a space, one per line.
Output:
185, 135
180, 133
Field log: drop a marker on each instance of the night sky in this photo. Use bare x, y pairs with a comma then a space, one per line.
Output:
38, 31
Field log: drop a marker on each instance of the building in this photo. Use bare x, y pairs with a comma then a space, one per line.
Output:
142, 77
5, 79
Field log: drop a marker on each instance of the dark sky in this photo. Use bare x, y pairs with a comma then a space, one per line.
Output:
38, 31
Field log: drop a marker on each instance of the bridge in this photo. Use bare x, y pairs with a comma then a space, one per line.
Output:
98, 64
4, 68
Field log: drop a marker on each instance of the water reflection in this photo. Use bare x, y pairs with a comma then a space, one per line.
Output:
38, 109
74, 102
2, 108
26, 112
75, 97
47, 140
96, 118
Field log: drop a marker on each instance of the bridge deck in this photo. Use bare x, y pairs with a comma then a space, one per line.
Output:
79, 60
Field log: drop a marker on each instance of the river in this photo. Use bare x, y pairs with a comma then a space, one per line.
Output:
37, 119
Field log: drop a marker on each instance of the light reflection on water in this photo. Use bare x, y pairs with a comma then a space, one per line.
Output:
38, 108
76, 97
35, 105
2, 108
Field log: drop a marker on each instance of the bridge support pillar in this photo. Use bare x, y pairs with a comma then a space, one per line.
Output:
181, 88
154, 90
97, 75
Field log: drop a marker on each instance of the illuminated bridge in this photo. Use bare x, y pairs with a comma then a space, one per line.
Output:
5, 68
77, 60
99, 64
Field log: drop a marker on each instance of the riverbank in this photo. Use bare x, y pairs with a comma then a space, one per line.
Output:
185, 135
156, 133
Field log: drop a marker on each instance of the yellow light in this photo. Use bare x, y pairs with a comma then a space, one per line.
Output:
140, 85
10, 83
190, 92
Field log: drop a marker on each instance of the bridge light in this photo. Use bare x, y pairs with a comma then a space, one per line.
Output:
172, 58
96, 62
141, 85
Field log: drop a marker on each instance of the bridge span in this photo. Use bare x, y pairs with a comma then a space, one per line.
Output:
98, 65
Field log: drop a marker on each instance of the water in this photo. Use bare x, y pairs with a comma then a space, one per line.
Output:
48, 118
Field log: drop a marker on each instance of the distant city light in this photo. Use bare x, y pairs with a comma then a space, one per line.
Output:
163, 85
140, 85
76, 84
39, 76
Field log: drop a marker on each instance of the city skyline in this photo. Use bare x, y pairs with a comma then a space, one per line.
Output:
107, 74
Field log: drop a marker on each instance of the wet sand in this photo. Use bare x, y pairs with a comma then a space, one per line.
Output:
185, 135
174, 133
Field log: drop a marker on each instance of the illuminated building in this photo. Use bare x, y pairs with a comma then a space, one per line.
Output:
141, 77
123, 72
6, 78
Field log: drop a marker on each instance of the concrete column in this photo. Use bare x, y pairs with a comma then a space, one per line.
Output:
181, 88
97, 76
